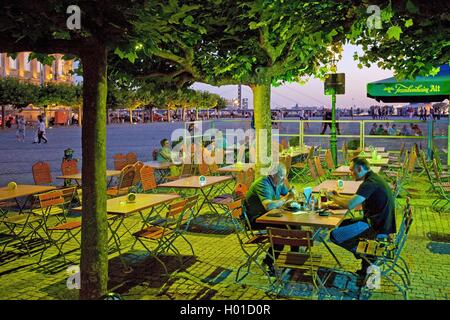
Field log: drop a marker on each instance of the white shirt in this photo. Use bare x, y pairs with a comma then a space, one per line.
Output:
42, 126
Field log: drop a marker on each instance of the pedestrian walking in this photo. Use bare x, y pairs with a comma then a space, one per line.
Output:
41, 130
21, 129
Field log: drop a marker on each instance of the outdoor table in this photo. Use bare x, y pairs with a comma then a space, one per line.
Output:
22, 190
350, 187
307, 219
236, 168
77, 176
26, 221
162, 169
381, 154
378, 162
118, 209
296, 154
379, 149
346, 170
205, 189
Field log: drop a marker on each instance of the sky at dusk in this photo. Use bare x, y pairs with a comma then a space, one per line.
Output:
311, 93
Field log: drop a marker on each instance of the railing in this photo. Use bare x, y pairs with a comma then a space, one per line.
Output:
365, 139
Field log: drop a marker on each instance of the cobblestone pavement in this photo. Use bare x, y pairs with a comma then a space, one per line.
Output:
211, 272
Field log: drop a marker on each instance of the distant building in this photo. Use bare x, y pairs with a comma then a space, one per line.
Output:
35, 72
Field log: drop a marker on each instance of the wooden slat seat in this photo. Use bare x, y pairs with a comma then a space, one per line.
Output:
66, 226
151, 232
257, 239
299, 260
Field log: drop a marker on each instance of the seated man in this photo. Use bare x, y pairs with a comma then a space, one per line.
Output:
378, 205
267, 193
164, 155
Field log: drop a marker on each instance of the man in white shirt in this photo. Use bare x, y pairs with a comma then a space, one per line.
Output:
41, 130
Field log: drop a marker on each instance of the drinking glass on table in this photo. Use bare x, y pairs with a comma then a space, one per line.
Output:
323, 195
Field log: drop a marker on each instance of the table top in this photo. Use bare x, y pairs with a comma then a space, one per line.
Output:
380, 162
381, 154
23, 190
350, 187
311, 219
295, 152
237, 167
379, 149
194, 183
346, 169
159, 165
143, 201
77, 176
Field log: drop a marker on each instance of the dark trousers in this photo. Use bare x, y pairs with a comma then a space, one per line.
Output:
41, 136
328, 124
349, 233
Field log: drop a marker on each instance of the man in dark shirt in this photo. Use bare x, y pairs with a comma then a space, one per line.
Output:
267, 193
378, 204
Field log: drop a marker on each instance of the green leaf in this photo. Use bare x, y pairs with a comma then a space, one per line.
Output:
394, 32
409, 23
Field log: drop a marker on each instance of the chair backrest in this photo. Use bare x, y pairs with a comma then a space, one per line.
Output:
296, 238
188, 210
68, 194
241, 190
51, 198
235, 209
437, 175
425, 165
186, 169
311, 152
329, 160
402, 150
203, 169
137, 172
41, 173
404, 228
320, 171
69, 167
131, 158
148, 179
312, 169
284, 144
287, 161
126, 177
412, 161
120, 161
249, 176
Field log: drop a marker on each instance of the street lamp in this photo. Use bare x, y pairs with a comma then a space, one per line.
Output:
334, 84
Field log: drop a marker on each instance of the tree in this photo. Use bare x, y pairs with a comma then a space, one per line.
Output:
412, 37
42, 27
16, 93
257, 43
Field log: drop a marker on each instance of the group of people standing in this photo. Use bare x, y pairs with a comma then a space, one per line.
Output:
391, 130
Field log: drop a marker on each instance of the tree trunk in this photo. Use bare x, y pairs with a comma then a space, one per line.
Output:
263, 125
151, 114
3, 117
94, 237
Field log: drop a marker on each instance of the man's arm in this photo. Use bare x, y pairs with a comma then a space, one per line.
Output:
348, 202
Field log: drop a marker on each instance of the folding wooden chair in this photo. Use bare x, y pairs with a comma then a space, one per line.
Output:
126, 179
305, 261
69, 167
60, 234
22, 227
42, 173
319, 169
287, 162
148, 180
203, 169
162, 236
131, 158
137, 173
300, 169
252, 244
120, 161
55, 203
385, 253
186, 171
